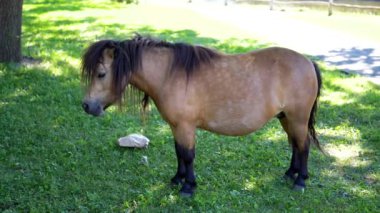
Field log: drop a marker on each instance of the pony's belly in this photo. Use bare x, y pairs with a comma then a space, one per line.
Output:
232, 127
239, 117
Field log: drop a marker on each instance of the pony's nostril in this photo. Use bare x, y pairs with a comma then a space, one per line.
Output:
85, 106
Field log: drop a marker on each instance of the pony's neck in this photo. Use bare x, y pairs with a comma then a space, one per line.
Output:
156, 63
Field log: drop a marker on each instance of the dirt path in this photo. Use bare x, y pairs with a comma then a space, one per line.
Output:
346, 52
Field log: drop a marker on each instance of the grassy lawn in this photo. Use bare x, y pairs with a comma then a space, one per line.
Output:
55, 158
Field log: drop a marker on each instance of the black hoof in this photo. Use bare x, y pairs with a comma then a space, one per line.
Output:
299, 188
187, 190
299, 184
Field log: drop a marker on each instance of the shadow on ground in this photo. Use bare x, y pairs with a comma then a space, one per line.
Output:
364, 61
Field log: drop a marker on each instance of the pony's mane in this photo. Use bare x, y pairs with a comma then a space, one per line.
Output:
128, 57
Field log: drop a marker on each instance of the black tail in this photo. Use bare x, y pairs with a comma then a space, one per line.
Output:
313, 113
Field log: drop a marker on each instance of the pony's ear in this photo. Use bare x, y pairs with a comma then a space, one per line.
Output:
108, 54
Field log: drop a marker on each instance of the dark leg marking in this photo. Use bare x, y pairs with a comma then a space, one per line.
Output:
185, 170
294, 168
181, 169
299, 183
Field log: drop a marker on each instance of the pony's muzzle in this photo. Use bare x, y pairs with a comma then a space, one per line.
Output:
92, 107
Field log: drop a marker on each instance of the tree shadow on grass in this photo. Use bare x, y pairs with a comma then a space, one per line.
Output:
41, 37
46, 6
354, 59
359, 109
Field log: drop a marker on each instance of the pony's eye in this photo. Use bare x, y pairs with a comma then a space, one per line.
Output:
101, 75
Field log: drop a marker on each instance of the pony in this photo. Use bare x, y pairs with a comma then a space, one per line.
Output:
197, 87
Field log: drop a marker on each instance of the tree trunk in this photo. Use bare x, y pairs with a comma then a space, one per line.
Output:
10, 30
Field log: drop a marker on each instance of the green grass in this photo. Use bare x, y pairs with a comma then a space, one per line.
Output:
55, 158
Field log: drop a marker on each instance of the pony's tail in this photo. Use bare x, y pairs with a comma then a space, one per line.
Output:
313, 113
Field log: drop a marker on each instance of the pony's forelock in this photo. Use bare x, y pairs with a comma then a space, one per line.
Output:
91, 58
121, 66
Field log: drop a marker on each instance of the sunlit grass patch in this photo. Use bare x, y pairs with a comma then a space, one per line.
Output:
337, 98
347, 154
344, 132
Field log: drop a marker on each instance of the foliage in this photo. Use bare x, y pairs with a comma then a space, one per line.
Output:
56, 158
127, 1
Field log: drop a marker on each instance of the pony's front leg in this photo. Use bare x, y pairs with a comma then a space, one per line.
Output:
181, 168
185, 149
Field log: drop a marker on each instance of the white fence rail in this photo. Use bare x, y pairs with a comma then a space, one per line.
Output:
330, 4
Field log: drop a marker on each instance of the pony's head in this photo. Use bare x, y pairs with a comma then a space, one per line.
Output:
106, 70
107, 66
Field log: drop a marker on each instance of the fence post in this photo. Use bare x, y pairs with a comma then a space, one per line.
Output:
330, 7
271, 4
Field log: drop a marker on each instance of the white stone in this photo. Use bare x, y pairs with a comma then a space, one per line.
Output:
144, 160
134, 140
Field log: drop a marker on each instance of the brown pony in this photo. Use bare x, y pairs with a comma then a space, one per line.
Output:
197, 87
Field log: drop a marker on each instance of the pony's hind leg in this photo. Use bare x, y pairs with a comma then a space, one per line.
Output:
297, 135
291, 173
294, 168
299, 183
